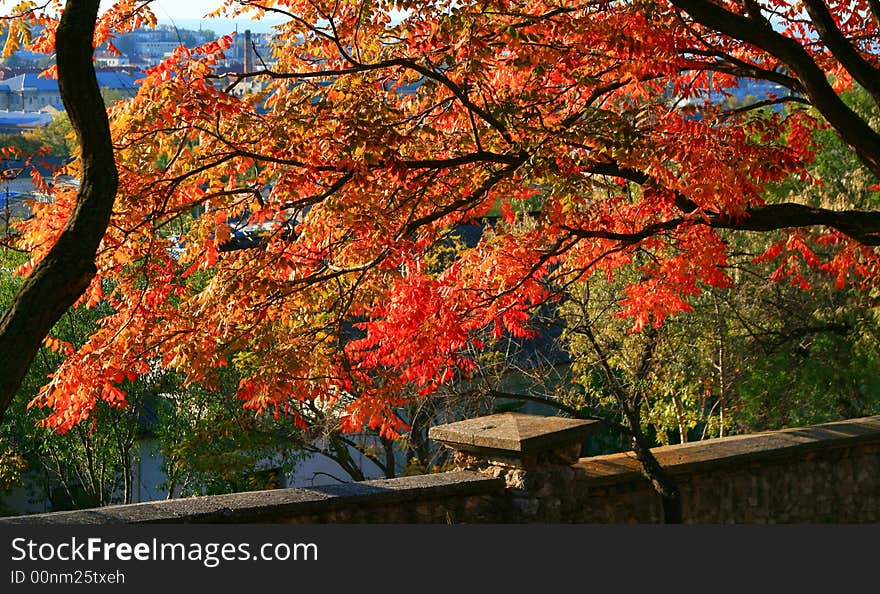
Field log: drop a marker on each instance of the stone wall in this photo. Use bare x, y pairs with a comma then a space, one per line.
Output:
518, 468
827, 473
451, 497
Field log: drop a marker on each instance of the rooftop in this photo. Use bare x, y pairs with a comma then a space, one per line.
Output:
32, 81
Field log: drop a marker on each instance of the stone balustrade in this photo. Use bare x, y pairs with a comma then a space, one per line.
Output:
521, 468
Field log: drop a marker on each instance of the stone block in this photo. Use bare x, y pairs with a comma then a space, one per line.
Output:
517, 439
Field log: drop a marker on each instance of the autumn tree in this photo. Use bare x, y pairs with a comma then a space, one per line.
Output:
96, 462
754, 356
364, 140
67, 267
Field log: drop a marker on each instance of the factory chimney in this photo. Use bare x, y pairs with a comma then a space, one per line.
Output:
248, 56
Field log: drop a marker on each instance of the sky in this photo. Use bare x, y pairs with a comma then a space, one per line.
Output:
188, 14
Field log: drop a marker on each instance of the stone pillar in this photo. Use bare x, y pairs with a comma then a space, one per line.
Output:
532, 454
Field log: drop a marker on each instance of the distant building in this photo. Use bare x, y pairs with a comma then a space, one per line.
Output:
125, 83
153, 50
105, 59
31, 93
13, 122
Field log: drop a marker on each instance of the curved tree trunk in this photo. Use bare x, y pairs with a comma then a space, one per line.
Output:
663, 483
61, 278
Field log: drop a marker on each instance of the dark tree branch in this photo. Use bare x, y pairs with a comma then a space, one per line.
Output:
862, 71
465, 201
861, 225
875, 10
757, 31
64, 274
766, 103
728, 64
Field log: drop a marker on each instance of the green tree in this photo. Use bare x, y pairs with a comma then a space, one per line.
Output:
210, 446
782, 346
58, 136
91, 465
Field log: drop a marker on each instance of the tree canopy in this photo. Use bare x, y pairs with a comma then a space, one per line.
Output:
374, 129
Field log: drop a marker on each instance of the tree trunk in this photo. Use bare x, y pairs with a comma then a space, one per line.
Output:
64, 274
630, 407
662, 482
341, 455
390, 460
722, 377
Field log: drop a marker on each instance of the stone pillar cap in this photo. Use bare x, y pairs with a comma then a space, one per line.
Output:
512, 434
